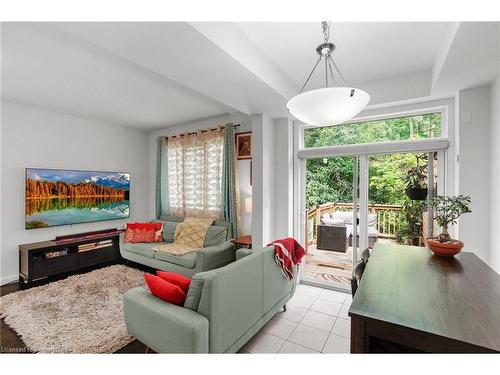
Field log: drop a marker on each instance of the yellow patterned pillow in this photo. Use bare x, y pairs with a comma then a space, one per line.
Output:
192, 231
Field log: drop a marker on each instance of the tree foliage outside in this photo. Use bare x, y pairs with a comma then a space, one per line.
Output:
411, 226
329, 180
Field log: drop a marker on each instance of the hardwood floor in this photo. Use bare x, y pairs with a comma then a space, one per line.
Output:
10, 342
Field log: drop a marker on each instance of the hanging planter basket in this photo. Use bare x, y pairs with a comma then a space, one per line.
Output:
416, 194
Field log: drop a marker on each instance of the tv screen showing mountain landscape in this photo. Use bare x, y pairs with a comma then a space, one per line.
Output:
61, 197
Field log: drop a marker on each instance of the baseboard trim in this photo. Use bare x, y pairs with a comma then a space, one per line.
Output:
8, 279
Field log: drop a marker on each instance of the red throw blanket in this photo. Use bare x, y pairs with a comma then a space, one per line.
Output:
287, 253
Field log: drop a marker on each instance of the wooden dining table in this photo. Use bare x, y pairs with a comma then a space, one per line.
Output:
410, 300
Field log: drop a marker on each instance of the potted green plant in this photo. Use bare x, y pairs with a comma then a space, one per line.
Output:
415, 181
446, 211
409, 231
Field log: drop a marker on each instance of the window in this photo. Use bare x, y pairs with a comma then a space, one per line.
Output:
195, 173
392, 129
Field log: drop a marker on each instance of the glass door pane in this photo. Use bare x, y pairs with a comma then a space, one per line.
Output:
330, 224
399, 185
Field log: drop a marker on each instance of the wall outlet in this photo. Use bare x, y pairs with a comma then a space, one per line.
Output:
466, 117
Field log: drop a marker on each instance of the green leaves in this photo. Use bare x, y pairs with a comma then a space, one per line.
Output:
417, 176
447, 209
411, 226
332, 181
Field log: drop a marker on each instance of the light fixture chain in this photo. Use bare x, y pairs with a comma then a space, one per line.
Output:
326, 31
310, 74
338, 71
326, 71
331, 71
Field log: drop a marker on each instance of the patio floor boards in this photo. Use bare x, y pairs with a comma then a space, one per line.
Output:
331, 265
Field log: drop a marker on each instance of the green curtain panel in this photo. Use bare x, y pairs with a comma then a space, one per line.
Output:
162, 203
228, 197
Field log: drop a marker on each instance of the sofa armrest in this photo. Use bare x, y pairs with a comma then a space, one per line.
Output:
241, 253
164, 327
213, 257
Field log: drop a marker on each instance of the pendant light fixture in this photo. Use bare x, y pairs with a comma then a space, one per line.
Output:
330, 105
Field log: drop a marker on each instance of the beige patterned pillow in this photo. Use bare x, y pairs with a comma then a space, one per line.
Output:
192, 231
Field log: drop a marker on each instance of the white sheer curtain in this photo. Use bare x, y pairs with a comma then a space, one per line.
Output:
195, 173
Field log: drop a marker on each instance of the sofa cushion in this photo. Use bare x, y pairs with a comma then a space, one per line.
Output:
164, 290
330, 221
341, 215
372, 220
181, 281
194, 294
168, 229
215, 236
325, 218
372, 231
187, 260
144, 249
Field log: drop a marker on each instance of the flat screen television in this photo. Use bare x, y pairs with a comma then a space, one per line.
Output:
56, 197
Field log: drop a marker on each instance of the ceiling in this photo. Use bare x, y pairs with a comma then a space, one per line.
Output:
153, 75
48, 68
364, 52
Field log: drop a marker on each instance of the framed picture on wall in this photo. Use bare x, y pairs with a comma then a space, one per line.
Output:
243, 143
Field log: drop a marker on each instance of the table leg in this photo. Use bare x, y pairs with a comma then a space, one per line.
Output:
359, 341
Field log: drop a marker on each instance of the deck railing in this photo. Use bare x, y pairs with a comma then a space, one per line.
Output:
389, 218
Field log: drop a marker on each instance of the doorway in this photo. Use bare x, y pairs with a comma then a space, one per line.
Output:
351, 188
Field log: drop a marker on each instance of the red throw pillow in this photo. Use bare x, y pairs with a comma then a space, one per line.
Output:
181, 281
165, 290
143, 233
158, 228
129, 232
148, 232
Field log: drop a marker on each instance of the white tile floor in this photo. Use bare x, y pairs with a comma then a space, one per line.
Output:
316, 321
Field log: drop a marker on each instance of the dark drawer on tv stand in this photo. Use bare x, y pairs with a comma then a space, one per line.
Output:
98, 256
54, 266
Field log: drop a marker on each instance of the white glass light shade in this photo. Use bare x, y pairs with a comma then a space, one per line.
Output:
328, 106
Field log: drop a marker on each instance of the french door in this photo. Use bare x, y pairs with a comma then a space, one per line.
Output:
336, 189
345, 210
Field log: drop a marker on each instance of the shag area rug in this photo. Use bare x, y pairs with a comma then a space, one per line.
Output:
80, 314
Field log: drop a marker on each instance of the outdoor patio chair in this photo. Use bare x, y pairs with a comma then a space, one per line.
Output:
332, 238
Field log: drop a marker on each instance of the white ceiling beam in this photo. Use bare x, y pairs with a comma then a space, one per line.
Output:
444, 48
229, 37
468, 58
181, 53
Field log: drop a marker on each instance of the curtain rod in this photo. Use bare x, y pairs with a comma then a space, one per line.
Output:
201, 131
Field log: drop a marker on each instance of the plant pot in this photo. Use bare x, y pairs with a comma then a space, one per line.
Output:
445, 249
416, 194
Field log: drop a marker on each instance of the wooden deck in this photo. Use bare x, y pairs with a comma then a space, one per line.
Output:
330, 265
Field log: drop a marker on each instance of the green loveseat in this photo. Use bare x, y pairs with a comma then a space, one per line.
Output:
228, 306
217, 251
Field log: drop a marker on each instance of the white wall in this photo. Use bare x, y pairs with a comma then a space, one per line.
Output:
244, 171
398, 88
283, 175
494, 171
263, 180
474, 168
243, 165
38, 138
